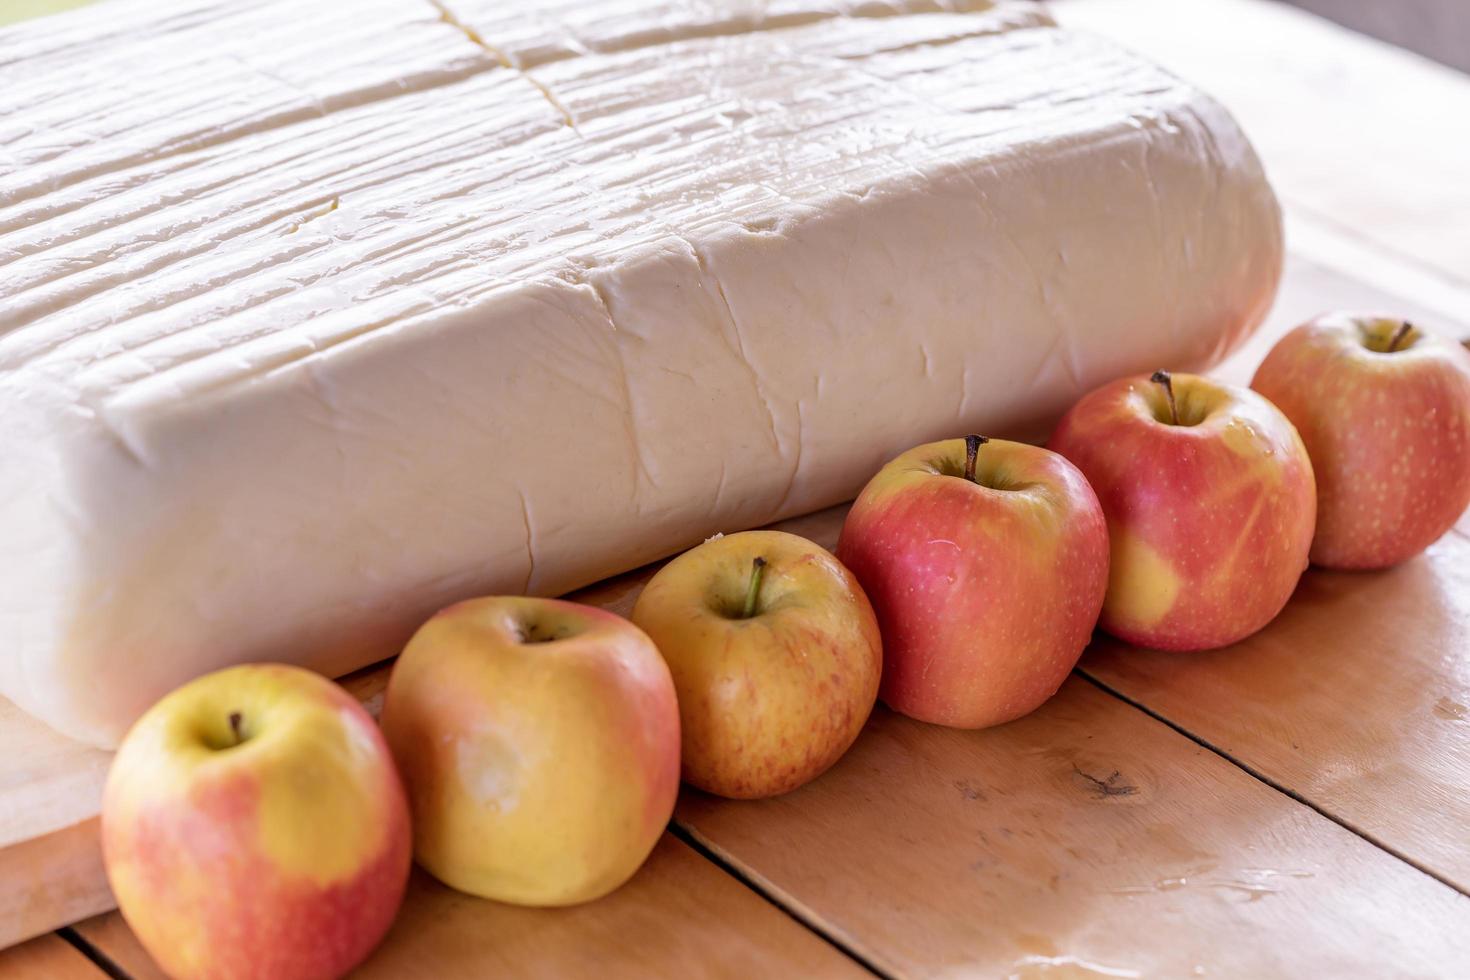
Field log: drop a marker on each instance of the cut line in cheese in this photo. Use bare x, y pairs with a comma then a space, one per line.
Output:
305, 350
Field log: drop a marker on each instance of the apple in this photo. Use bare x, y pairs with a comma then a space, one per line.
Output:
1384, 410
986, 562
539, 741
1210, 504
253, 825
775, 655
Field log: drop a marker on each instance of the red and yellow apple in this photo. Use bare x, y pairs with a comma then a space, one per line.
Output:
253, 825
986, 562
539, 741
1384, 410
1210, 504
775, 656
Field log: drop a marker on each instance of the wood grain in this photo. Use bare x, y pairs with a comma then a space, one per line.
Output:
48, 781
1357, 698
47, 958
52, 880
1086, 836
50, 855
679, 916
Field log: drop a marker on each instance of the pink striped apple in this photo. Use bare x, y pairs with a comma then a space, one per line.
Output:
986, 563
1210, 504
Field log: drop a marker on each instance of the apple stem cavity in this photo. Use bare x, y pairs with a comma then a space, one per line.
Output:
235, 720
1166, 379
1398, 336
972, 453
752, 594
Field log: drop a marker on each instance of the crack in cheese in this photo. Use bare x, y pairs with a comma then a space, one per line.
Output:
307, 329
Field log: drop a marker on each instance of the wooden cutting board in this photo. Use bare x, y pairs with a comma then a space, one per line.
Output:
1294, 804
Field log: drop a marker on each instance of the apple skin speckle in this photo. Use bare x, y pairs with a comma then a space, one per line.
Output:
1388, 435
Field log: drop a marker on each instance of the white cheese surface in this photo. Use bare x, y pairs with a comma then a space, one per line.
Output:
315, 318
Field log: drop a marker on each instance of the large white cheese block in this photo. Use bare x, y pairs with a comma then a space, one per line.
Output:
314, 318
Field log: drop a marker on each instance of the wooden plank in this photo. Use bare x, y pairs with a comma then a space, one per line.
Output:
52, 880
1085, 837
46, 957
1357, 698
50, 855
48, 781
1356, 133
679, 916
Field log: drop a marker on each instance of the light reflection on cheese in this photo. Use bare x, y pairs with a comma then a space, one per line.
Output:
301, 339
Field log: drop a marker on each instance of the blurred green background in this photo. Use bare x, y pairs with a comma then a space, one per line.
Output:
14, 10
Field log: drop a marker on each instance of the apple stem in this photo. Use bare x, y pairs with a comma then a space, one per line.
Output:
752, 594
1399, 335
235, 720
1167, 380
972, 452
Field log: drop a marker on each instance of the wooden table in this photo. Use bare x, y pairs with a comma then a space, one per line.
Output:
1296, 805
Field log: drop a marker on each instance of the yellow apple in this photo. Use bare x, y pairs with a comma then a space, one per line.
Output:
539, 740
775, 655
253, 825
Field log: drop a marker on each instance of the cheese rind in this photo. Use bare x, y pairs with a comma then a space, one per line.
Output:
282, 393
